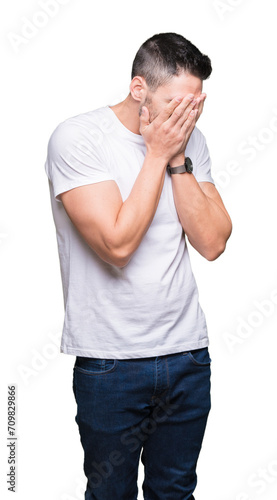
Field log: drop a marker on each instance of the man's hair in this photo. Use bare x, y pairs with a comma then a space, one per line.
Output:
166, 55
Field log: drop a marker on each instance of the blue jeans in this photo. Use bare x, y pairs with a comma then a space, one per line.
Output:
158, 406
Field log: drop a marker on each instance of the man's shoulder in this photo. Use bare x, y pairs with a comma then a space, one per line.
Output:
197, 139
84, 119
197, 134
79, 126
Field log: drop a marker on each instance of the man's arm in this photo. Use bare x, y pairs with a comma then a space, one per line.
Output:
200, 208
202, 214
114, 229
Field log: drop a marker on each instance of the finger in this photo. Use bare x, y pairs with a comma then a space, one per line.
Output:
189, 124
144, 119
168, 111
196, 104
182, 112
200, 105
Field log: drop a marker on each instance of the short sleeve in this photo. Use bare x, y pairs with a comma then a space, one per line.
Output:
76, 157
202, 170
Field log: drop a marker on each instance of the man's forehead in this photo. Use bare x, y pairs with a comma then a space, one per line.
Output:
181, 88
196, 93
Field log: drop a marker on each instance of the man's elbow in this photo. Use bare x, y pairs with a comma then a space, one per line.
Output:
214, 252
218, 246
118, 256
120, 260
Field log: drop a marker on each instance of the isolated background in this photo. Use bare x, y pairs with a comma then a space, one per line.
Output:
80, 59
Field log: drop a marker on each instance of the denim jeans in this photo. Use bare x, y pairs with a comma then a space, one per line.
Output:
157, 407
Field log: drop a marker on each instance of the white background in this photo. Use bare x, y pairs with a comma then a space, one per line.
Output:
80, 60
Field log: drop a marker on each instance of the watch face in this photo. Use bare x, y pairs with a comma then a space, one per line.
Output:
189, 166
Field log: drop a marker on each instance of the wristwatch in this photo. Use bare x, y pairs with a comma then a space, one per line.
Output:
187, 167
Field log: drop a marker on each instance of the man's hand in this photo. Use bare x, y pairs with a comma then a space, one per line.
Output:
168, 134
198, 103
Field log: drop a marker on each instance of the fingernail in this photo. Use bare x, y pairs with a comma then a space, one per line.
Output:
191, 96
179, 99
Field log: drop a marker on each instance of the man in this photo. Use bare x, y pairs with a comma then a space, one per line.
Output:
127, 183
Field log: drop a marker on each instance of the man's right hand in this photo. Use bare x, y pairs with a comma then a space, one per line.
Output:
168, 134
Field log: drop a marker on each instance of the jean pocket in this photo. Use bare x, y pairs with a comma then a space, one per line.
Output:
199, 357
94, 366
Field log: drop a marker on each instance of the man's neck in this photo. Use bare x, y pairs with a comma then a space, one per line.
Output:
127, 112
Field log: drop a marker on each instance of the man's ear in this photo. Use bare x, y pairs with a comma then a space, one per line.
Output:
138, 88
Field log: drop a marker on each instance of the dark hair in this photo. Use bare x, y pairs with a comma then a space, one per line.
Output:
167, 54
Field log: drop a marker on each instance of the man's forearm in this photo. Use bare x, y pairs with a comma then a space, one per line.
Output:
205, 223
138, 210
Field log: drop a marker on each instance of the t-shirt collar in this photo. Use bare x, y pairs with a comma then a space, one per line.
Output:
124, 131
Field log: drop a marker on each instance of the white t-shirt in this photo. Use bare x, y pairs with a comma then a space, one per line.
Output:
150, 307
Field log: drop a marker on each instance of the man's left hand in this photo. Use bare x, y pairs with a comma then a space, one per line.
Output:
199, 105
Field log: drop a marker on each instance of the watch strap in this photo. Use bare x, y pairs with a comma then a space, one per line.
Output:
187, 167
177, 170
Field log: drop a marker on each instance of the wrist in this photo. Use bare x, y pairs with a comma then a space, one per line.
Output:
178, 160
156, 159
